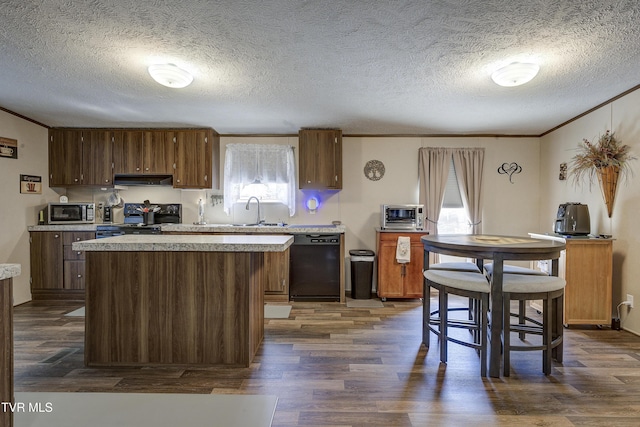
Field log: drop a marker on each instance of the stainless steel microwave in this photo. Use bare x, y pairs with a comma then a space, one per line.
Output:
71, 213
402, 217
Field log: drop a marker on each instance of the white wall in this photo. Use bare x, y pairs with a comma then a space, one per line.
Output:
17, 210
623, 117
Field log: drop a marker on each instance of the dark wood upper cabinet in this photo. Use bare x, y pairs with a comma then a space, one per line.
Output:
97, 159
320, 159
127, 151
65, 157
93, 156
195, 150
158, 153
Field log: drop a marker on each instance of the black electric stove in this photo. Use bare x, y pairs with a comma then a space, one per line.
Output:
170, 213
110, 230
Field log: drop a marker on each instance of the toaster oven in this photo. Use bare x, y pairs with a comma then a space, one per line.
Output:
402, 217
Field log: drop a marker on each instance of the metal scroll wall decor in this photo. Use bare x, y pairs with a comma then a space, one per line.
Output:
374, 170
509, 169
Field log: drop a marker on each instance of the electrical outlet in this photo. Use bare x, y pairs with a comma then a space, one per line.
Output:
630, 300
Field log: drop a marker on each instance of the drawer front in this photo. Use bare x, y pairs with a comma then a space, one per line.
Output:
74, 275
77, 236
70, 254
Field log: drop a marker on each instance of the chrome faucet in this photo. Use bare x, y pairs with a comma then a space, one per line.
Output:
259, 221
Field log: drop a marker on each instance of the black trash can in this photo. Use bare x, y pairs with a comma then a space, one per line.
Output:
361, 273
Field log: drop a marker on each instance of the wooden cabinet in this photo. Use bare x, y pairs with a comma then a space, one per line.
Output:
195, 151
142, 152
587, 266
157, 153
396, 280
57, 271
80, 157
46, 257
276, 287
127, 152
97, 159
320, 159
65, 157
92, 156
74, 260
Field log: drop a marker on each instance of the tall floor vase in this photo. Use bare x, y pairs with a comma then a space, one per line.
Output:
608, 179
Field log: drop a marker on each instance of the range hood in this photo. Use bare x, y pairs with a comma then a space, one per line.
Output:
143, 180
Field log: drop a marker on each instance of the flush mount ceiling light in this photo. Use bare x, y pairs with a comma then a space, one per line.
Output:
515, 74
170, 75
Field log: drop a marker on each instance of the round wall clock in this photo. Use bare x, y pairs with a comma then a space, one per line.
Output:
374, 170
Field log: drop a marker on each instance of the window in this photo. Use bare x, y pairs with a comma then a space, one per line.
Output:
453, 217
264, 171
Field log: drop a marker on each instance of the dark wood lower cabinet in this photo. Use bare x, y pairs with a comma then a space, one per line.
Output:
173, 308
57, 271
6, 350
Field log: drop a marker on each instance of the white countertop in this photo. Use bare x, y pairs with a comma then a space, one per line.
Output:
210, 228
268, 229
187, 243
7, 271
63, 227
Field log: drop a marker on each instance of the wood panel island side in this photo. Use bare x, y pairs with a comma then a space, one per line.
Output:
157, 300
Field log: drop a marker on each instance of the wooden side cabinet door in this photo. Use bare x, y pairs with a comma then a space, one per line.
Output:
320, 159
277, 277
192, 158
158, 153
413, 278
65, 157
97, 159
46, 260
588, 272
390, 272
127, 152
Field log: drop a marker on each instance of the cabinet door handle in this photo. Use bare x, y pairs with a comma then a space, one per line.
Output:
79, 276
78, 253
56, 236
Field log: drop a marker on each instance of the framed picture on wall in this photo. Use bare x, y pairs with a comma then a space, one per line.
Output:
30, 184
8, 148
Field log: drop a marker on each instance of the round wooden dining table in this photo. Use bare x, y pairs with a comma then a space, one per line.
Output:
497, 249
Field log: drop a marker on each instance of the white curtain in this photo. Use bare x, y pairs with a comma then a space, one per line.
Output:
250, 164
469, 165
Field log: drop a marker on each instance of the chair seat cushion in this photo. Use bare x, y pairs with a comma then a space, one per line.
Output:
455, 266
458, 279
514, 269
524, 283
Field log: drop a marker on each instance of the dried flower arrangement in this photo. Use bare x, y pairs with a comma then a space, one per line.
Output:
608, 151
605, 160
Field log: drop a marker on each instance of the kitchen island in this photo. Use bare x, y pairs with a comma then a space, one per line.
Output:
180, 300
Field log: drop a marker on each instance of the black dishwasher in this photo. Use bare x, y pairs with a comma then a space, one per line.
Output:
314, 269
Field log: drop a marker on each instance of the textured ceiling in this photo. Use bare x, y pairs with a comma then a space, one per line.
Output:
367, 67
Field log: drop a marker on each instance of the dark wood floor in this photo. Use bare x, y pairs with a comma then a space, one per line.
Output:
333, 365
